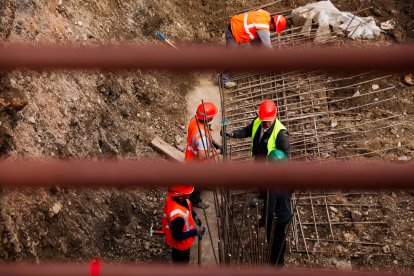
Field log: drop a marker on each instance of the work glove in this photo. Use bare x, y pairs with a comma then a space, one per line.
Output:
200, 230
197, 220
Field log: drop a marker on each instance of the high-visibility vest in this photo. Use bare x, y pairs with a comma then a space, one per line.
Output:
271, 143
244, 26
173, 210
193, 136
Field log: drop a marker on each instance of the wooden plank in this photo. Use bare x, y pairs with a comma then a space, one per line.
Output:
169, 151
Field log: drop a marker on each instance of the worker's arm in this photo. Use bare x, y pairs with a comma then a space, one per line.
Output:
243, 132
282, 142
203, 146
264, 37
176, 228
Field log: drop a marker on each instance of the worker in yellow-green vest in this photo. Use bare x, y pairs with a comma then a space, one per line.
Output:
267, 133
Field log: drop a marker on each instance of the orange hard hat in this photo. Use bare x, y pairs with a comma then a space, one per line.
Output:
206, 111
280, 23
177, 190
267, 111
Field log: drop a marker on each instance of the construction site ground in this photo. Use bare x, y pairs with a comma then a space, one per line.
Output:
97, 115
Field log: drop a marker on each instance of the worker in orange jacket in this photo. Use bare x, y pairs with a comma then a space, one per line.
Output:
253, 27
178, 223
200, 144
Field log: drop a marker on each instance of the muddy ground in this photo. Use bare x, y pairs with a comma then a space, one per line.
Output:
71, 114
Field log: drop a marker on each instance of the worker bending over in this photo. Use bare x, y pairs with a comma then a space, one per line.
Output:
200, 144
178, 223
252, 27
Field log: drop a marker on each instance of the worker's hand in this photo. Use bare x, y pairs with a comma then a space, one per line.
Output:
200, 230
197, 220
220, 149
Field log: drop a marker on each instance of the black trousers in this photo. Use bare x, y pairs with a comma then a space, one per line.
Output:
277, 255
180, 256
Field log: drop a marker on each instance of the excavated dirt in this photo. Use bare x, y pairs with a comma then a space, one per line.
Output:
71, 114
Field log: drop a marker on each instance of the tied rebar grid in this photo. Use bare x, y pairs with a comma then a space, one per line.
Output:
329, 117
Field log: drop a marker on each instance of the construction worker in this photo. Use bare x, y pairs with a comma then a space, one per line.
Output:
267, 133
254, 27
200, 144
178, 223
278, 208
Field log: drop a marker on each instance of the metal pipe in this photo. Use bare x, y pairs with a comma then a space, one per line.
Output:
393, 59
346, 175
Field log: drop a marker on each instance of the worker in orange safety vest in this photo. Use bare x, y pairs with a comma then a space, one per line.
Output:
200, 144
254, 26
178, 223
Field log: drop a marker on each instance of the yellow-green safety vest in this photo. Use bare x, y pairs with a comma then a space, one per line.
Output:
271, 144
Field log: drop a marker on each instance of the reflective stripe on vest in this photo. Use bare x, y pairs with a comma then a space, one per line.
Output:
173, 210
271, 143
193, 136
184, 215
247, 27
244, 26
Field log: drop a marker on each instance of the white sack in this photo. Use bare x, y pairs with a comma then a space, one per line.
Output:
327, 15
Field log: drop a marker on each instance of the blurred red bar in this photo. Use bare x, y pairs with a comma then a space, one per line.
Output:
202, 57
163, 270
341, 175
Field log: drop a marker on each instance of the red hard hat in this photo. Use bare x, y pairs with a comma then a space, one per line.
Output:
267, 111
210, 111
280, 23
177, 190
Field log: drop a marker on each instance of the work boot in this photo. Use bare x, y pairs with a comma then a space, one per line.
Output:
230, 84
201, 204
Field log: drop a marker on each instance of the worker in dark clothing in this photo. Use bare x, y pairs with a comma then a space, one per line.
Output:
278, 213
267, 133
178, 223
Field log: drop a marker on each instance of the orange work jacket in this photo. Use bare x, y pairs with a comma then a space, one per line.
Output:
193, 136
244, 26
173, 210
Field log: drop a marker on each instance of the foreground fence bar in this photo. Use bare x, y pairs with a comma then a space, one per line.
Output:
340, 175
201, 57
162, 270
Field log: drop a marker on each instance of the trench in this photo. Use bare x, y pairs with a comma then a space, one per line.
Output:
206, 90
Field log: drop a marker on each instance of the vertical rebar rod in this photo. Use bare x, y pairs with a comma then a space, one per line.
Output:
209, 233
314, 217
304, 239
330, 226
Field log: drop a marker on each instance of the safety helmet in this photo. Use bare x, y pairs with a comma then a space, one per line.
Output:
276, 155
210, 111
267, 111
280, 23
177, 190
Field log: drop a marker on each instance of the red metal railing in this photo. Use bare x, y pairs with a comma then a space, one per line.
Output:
149, 174
188, 58
73, 269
